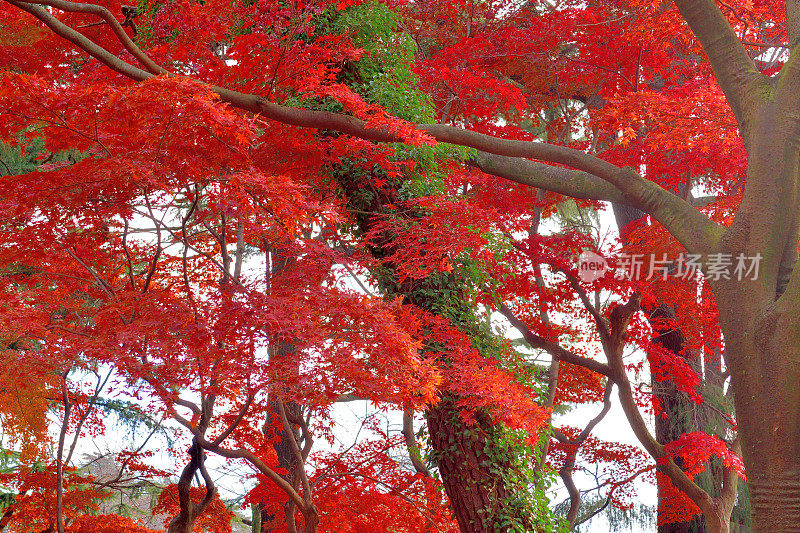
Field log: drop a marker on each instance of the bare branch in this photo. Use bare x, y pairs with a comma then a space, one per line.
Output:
98, 389
555, 350
62, 435
569, 464
411, 444
240, 244
233, 425
601, 321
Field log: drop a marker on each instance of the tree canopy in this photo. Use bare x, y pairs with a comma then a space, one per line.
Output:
222, 219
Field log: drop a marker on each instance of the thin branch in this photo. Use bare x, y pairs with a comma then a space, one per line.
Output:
357, 280
600, 321
569, 464
100, 281
128, 259
240, 245
411, 444
127, 459
239, 417
62, 436
308, 442
100, 386
554, 349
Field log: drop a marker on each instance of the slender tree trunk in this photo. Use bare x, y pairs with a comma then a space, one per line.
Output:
279, 350
184, 521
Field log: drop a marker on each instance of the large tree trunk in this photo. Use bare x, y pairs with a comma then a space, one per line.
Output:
475, 475
472, 469
767, 402
765, 368
760, 318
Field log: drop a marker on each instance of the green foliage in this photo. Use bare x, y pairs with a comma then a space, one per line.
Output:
741, 517
384, 75
132, 418
8, 464
573, 217
530, 498
29, 154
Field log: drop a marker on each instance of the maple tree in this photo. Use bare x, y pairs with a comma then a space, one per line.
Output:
203, 154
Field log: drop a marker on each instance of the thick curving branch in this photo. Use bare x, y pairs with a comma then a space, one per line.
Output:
116, 27
693, 229
736, 73
572, 183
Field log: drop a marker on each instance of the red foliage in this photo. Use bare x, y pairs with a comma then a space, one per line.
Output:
677, 507
128, 253
694, 449
107, 524
215, 519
